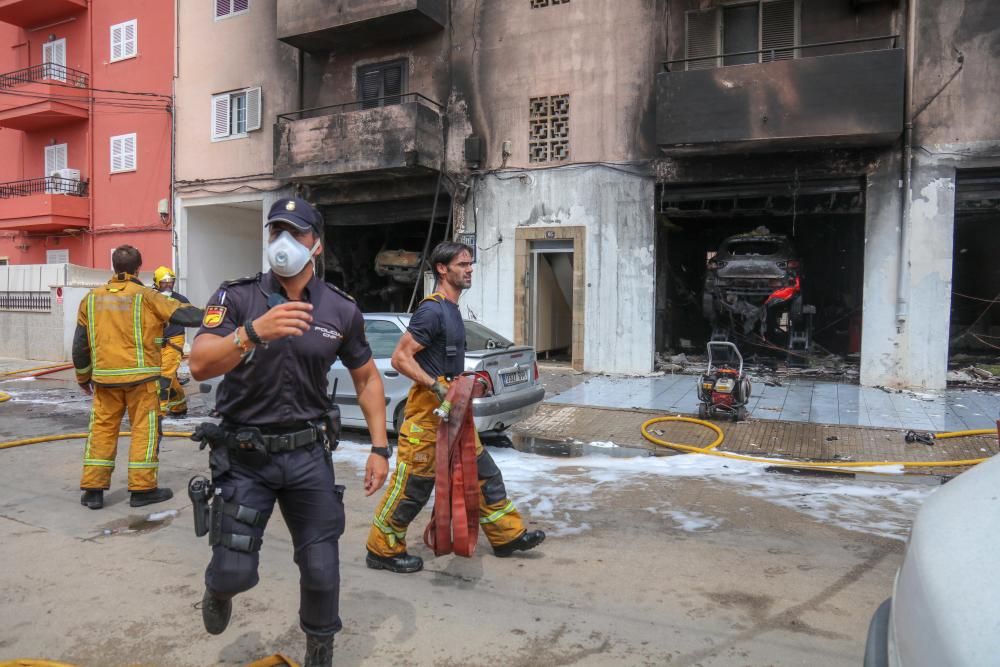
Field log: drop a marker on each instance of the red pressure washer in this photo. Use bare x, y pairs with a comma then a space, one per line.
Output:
724, 389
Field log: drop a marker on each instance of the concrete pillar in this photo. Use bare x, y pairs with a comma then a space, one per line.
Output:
930, 254
880, 337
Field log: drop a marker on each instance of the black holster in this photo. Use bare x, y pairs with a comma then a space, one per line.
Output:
250, 448
200, 493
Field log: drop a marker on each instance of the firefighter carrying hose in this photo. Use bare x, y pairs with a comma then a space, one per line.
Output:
172, 399
116, 355
432, 353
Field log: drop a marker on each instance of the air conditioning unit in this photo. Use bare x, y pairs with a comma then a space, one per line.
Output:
64, 181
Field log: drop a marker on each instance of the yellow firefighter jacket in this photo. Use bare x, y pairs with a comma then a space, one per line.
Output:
124, 323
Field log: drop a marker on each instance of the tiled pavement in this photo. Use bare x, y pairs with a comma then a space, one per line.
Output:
799, 400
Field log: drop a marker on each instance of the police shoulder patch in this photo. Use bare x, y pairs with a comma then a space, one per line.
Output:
240, 281
213, 316
340, 291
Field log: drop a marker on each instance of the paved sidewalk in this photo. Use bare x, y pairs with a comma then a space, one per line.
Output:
579, 426
799, 401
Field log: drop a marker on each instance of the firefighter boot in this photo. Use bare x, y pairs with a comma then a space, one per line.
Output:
158, 495
319, 651
402, 563
92, 498
215, 612
529, 540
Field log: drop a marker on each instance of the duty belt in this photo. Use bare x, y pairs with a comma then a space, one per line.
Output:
251, 436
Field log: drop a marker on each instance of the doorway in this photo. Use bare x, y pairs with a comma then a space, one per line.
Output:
550, 299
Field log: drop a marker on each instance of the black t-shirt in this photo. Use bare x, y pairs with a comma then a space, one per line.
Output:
438, 325
284, 383
171, 330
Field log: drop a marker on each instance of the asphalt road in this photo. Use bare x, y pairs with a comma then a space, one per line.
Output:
653, 561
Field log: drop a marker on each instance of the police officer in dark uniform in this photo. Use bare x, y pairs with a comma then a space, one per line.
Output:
274, 337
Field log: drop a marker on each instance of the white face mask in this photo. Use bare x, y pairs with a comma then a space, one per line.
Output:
287, 256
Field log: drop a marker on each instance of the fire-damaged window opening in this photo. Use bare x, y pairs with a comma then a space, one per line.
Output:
974, 332
381, 84
776, 268
373, 250
738, 34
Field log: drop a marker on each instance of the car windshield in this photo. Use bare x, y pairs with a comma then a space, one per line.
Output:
478, 337
382, 337
751, 248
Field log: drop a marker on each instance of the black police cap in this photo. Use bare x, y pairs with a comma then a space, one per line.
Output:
297, 212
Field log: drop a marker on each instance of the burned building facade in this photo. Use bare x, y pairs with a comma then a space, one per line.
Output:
597, 152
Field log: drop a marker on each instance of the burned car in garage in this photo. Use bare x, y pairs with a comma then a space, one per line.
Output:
753, 285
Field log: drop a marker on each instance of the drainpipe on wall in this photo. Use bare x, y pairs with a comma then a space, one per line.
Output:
90, 137
903, 277
174, 258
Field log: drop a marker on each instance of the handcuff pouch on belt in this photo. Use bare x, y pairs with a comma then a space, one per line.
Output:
331, 427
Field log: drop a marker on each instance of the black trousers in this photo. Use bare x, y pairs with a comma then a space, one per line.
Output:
302, 481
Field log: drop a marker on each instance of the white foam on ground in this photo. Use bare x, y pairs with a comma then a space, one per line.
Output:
160, 516
559, 491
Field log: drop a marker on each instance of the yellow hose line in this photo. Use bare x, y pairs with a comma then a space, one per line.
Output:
710, 450
73, 436
962, 434
32, 370
29, 662
4, 397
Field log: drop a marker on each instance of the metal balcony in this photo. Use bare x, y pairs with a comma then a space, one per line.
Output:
325, 25
36, 13
42, 96
44, 205
840, 99
398, 136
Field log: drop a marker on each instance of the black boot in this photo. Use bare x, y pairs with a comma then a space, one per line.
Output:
404, 563
158, 495
215, 612
529, 540
92, 498
319, 651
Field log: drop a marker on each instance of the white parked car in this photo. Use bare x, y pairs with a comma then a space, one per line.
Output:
509, 371
945, 604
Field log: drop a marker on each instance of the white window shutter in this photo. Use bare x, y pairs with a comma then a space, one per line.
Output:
240, 5
702, 38
778, 30
117, 42
128, 152
223, 8
55, 158
253, 109
130, 39
117, 157
220, 116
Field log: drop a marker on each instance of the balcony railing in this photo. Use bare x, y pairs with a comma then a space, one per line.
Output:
45, 72
360, 105
52, 185
771, 55
26, 302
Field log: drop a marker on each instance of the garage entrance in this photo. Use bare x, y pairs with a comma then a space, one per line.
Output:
974, 334
823, 222
373, 250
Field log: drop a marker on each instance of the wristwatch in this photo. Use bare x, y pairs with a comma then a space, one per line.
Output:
383, 451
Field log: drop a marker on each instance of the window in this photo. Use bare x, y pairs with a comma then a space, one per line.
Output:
124, 40
226, 8
54, 59
548, 129
55, 162
381, 85
770, 27
382, 337
235, 114
4, 261
123, 153
57, 256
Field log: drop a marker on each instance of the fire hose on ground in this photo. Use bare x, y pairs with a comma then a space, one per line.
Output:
711, 449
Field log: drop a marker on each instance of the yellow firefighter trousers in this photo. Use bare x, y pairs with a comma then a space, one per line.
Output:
170, 360
110, 404
413, 480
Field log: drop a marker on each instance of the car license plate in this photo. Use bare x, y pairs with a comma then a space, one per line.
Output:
516, 377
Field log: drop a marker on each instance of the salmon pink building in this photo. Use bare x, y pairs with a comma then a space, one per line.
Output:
85, 130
